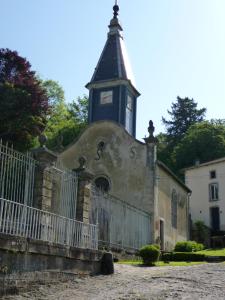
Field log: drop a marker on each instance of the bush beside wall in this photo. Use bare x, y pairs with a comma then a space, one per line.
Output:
183, 256
188, 246
149, 254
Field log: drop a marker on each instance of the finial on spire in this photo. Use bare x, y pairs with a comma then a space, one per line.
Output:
116, 9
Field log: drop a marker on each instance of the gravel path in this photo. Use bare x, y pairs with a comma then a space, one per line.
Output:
139, 283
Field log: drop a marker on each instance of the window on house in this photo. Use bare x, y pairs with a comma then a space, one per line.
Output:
213, 192
212, 174
174, 209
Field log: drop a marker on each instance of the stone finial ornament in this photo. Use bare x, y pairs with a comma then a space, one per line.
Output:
151, 138
116, 10
151, 128
42, 140
82, 161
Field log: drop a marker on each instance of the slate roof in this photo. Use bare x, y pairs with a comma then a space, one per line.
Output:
114, 62
163, 166
208, 163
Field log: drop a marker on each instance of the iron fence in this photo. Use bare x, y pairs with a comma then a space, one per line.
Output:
21, 220
121, 225
16, 175
18, 178
65, 184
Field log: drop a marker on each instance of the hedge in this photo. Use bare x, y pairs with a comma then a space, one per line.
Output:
188, 246
182, 256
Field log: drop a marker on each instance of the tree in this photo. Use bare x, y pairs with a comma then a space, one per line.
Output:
65, 121
203, 141
22, 99
79, 110
163, 153
55, 92
184, 113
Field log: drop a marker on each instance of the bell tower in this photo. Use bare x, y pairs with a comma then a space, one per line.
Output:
112, 92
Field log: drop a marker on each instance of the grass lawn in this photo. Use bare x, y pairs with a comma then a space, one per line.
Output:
213, 252
161, 263
209, 252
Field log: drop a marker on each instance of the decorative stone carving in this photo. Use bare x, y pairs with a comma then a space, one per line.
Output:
151, 139
82, 161
100, 149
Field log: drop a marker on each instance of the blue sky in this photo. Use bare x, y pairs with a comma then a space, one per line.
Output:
176, 47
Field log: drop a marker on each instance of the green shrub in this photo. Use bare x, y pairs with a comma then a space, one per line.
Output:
188, 246
200, 247
156, 245
149, 254
183, 256
201, 233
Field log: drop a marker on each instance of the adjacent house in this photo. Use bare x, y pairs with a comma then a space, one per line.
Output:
207, 201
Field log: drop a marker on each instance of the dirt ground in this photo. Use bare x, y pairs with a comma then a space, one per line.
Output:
139, 283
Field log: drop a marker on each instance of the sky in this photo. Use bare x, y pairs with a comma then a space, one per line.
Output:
176, 48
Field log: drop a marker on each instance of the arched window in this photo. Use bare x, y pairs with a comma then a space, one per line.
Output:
102, 183
174, 209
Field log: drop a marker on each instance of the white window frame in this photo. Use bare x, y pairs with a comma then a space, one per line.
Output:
213, 191
106, 97
210, 174
129, 114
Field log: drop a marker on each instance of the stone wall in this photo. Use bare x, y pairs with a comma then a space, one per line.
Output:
25, 255
25, 262
166, 184
122, 159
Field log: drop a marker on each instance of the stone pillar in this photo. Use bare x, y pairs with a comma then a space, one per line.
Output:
43, 189
84, 196
151, 160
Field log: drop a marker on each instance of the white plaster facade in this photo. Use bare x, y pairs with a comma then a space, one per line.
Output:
135, 177
207, 201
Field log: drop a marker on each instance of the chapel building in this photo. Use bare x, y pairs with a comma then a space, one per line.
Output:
143, 201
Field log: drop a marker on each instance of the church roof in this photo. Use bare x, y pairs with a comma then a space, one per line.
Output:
114, 62
163, 166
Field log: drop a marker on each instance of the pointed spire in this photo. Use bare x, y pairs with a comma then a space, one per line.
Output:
114, 62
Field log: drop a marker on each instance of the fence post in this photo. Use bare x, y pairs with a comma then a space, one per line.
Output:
43, 186
84, 192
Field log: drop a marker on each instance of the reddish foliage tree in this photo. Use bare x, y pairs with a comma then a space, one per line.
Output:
23, 101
